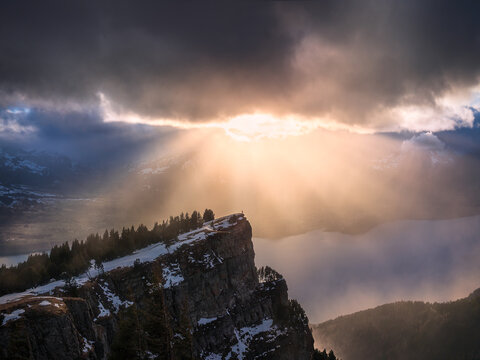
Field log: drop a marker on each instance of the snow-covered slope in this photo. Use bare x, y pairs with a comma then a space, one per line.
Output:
146, 254
199, 298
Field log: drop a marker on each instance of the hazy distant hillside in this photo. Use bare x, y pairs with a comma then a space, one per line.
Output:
41, 197
29, 180
406, 330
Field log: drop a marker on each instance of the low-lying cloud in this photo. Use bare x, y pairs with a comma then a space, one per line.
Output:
334, 274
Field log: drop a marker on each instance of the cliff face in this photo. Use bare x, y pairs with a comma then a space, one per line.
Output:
201, 298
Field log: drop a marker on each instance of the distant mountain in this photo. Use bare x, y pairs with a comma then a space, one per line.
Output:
37, 189
406, 330
31, 181
38, 169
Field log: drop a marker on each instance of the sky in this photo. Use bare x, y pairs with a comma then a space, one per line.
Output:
363, 66
332, 115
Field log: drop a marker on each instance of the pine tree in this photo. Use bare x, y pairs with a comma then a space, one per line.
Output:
208, 215
126, 344
158, 332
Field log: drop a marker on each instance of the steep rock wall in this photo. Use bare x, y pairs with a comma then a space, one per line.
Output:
200, 299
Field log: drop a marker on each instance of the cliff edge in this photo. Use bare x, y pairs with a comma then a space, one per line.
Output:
198, 298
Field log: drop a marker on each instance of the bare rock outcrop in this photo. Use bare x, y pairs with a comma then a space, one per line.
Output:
199, 299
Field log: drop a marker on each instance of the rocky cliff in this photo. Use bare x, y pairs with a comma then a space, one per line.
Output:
198, 298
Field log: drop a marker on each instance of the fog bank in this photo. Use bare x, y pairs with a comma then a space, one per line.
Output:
333, 274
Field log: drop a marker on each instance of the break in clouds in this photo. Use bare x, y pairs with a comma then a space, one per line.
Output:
378, 65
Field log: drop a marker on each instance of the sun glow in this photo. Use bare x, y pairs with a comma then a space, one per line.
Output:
244, 127
312, 174
250, 127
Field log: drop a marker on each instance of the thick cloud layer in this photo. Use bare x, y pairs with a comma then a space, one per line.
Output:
81, 135
353, 62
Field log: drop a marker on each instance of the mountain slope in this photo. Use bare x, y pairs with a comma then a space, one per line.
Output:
406, 330
200, 298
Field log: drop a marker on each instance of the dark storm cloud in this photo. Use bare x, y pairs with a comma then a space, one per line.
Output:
156, 58
82, 136
200, 60
392, 53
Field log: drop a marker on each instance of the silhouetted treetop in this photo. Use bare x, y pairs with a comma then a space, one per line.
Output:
69, 260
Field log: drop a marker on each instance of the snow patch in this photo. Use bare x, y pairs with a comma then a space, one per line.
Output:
205, 321
103, 311
246, 334
212, 356
113, 298
150, 355
87, 345
14, 315
16, 164
172, 275
209, 260
147, 254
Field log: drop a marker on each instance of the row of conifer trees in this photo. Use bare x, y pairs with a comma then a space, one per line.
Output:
68, 260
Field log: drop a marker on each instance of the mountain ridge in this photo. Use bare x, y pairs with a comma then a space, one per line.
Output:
406, 329
202, 299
